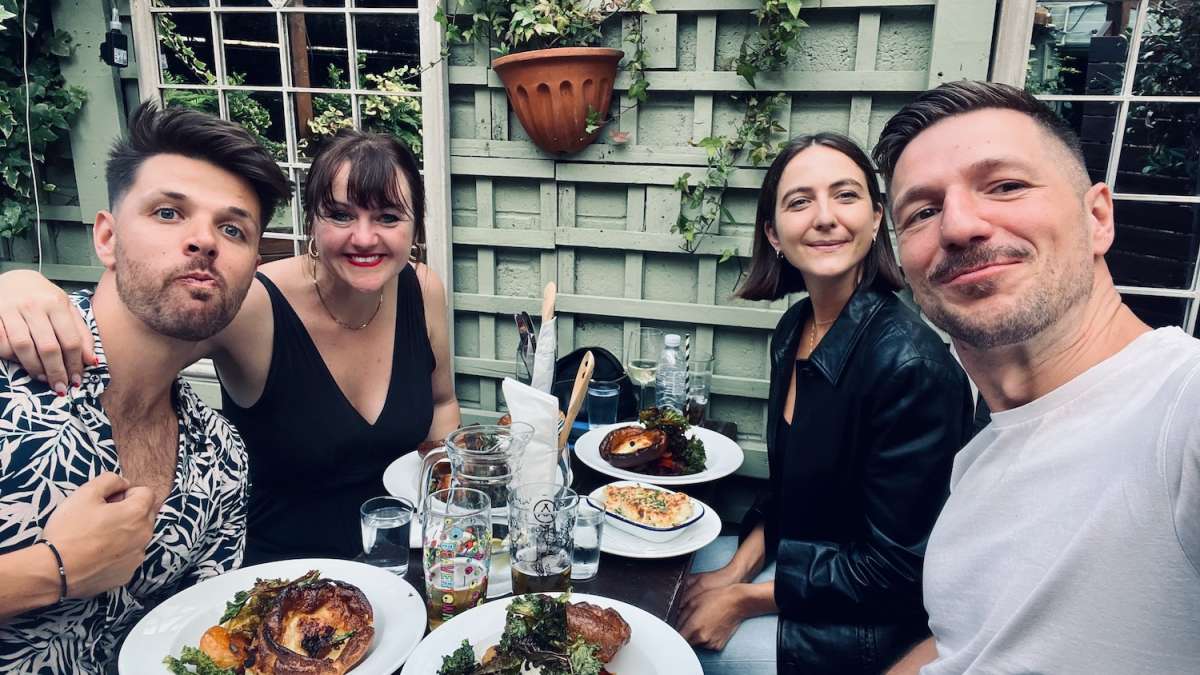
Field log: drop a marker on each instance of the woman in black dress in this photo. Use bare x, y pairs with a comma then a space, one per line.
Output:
867, 408
338, 361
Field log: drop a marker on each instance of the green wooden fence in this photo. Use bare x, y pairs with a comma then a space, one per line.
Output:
598, 223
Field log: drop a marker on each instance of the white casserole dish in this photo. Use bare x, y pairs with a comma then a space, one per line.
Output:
641, 530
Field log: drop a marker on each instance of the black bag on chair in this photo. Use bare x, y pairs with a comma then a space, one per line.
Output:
608, 367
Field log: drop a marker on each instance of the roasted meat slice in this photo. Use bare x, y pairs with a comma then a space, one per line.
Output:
632, 446
600, 626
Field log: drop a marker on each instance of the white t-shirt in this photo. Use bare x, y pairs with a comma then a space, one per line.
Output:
1071, 539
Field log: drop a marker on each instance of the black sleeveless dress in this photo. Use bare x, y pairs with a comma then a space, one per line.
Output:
313, 458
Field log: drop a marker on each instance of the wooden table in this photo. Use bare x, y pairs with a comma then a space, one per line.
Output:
654, 585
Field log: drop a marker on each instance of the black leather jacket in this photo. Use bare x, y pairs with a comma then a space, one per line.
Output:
881, 409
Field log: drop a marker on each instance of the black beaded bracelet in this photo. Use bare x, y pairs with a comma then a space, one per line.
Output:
62, 570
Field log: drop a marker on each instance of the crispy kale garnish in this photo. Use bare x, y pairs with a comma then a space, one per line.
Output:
190, 656
234, 606
583, 658
687, 455
461, 662
535, 636
693, 456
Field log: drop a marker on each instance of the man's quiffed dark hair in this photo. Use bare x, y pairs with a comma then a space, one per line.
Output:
195, 135
371, 184
957, 98
771, 277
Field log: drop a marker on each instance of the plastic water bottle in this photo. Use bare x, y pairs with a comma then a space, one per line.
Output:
671, 376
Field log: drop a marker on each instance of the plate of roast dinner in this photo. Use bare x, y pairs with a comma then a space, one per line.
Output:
320, 616
660, 448
547, 633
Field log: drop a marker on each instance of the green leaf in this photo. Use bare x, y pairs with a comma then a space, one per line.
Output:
5, 15
747, 71
727, 254
794, 7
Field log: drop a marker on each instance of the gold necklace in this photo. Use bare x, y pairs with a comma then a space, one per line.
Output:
812, 337
313, 274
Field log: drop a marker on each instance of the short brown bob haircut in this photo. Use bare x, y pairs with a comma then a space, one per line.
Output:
374, 160
772, 277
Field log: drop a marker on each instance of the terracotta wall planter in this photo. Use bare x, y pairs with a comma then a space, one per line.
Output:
552, 90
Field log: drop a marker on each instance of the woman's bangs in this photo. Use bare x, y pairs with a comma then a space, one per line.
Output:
374, 184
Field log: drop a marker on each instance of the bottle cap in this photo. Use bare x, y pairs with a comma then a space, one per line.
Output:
671, 340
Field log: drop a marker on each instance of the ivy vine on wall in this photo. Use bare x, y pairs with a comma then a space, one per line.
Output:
764, 50
52, 108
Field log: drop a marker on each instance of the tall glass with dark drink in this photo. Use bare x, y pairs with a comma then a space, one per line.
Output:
541, 536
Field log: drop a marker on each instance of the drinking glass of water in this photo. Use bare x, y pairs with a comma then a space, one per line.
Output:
589, 526
641, 361
602, 398
385, 526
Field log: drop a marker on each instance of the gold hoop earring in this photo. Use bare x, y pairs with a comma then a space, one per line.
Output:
416, 253
312, 249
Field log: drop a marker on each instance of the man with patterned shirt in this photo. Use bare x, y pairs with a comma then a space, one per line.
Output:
126, 487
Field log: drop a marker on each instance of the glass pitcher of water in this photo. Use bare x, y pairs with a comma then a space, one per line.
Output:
482, 457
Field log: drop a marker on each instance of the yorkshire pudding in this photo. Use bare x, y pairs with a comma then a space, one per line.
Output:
318, 628
633, 446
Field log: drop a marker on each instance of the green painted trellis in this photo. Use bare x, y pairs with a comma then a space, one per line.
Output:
598, 223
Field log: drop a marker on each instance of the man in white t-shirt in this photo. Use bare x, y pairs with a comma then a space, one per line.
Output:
1071, 539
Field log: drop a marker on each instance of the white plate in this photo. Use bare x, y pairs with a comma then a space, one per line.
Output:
183, 618
400, 479
694, 537
654, 647
723, 457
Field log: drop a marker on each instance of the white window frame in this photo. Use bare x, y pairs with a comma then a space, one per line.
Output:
434, 95
1015, 25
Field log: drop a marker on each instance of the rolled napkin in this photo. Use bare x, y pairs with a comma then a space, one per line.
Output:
543, 358
539, 410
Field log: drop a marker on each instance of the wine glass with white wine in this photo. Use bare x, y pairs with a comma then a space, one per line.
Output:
641, 360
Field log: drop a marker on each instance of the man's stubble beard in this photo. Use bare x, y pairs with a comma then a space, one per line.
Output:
1048, 301
159, 302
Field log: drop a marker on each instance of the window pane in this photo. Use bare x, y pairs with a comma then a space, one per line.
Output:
1157, 311
284, 3
251, 43
1170, 50
204, 100
1078, 47
319, 116
1161, 150
262, 115
186, 48
1095, 123
389, 50
404, 4
281, 220
1156, 244
181, 3
397, 116
319, 55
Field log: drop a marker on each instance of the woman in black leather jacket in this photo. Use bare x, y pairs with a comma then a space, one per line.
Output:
867, 409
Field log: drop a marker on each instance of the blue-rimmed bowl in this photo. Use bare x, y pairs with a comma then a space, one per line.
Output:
641, 530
